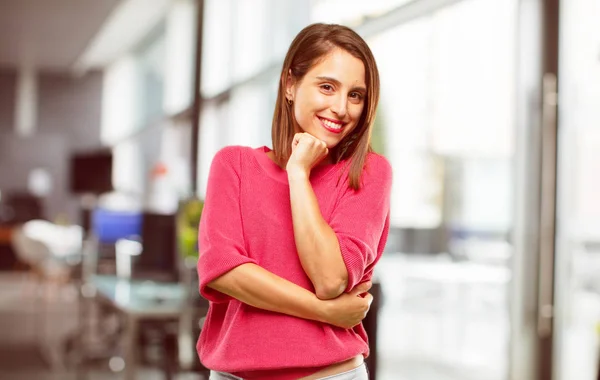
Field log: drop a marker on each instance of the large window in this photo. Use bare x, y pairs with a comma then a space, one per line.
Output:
353, 12
145, 93
244, 46
578, 212
444, 112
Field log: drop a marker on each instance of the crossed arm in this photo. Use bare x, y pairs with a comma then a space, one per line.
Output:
255, 286
320, 256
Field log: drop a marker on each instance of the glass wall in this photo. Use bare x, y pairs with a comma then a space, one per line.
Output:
447, 108
244, 46
577, 284
147, 93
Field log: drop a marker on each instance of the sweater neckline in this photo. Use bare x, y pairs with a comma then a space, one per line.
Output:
279, 174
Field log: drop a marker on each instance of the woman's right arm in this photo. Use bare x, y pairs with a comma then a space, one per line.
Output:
255, 286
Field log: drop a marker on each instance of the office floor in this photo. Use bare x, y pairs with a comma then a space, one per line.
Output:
427, 331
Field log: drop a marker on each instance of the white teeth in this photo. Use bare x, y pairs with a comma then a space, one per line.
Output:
331, 124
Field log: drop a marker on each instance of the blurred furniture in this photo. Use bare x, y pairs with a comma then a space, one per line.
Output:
8, 259
53, 253
21, 207
139, 301
142, 289
50, 249
159, 259
370, 325
91, 172
108, 226
16, 208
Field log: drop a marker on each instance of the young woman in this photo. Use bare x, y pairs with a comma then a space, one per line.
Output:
289, 237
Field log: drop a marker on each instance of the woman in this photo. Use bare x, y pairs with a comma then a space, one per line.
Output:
289, 237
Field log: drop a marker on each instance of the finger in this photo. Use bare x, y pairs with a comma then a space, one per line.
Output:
369, 298
365, 286
305, 139
312, 140
296, 140
361, 288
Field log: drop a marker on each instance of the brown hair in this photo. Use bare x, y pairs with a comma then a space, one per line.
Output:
310, 45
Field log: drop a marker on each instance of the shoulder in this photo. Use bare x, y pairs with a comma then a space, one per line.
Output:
377, 168
231, 155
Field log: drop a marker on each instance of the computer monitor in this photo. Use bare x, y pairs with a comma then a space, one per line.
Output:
158, 259
91, 172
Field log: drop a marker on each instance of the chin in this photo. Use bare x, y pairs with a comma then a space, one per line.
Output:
331, 143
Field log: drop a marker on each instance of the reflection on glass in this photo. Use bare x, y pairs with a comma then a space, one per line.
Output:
577, 287
447, 113
351, 12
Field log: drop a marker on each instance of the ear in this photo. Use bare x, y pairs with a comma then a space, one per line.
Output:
290, 85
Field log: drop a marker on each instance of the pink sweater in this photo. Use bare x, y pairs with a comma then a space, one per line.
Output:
247, 219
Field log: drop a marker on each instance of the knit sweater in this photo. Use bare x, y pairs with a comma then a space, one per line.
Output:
247, 219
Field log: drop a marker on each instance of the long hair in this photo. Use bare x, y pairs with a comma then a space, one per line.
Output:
311, 45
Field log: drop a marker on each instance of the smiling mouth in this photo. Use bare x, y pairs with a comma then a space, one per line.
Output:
335, 127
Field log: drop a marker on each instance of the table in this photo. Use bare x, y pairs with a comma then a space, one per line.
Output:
138, 300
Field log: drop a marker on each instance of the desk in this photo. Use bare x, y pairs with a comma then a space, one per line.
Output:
139, 300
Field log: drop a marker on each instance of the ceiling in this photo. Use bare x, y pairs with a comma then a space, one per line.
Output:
49, 34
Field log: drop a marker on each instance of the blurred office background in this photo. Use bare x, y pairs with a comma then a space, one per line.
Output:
110, 114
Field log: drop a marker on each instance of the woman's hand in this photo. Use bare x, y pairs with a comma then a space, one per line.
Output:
307, 152
349, 309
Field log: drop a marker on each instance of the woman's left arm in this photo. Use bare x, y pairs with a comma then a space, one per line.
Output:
317, 244
336, 256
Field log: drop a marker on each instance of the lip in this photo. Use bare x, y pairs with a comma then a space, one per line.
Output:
333, 121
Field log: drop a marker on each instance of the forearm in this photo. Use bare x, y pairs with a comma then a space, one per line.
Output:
256, 286
317, 244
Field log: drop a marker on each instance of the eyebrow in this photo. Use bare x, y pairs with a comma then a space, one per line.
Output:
338, 83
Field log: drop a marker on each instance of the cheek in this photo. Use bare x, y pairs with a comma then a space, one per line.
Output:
308, 106
313, 100
356, 111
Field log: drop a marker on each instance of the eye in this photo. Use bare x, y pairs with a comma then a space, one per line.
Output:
356, 95
326, 87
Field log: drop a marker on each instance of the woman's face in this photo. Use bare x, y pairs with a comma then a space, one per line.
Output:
329, 100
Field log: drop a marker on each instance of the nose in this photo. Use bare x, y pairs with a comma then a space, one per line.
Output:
340, 106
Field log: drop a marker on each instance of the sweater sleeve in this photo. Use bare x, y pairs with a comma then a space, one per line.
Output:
361, 221
220, 239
